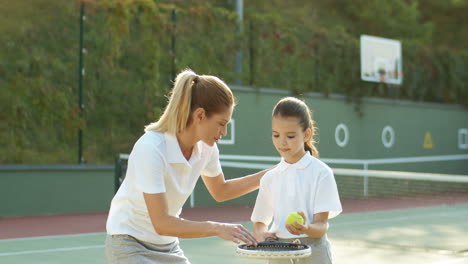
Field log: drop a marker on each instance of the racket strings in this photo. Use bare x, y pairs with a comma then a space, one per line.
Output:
276, 246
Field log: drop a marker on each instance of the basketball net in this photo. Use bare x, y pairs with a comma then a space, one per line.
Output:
382, 77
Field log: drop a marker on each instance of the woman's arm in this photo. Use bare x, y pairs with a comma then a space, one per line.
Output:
167, 225
315, 230
222, 190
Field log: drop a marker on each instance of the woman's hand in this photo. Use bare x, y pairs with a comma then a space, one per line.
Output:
235, 233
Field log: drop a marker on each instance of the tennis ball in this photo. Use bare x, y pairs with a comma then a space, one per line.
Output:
294, 217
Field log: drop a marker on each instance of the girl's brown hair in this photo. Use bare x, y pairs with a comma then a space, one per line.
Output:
192, 91
293, 107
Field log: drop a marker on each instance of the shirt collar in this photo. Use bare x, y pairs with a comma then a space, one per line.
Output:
174, 153
300, 164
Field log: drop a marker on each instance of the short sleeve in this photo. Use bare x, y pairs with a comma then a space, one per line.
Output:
263, 209
327, 198
147, 165
213, 166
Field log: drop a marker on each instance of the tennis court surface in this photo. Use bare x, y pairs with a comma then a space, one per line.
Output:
428, 235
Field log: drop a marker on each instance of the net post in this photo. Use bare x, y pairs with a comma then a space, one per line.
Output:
117, 172
192, 199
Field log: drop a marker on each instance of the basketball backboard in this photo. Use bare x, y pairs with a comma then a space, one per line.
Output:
381, 60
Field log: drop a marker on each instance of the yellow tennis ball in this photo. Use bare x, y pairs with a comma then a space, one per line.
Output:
294, 217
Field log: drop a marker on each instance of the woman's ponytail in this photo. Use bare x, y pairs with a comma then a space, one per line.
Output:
177, 112
190, 92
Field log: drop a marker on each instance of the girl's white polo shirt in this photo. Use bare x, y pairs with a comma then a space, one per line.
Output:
157, 165
307, 185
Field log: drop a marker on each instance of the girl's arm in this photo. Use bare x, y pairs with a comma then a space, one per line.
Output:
261, 231
167, 225
315, 230
222, 190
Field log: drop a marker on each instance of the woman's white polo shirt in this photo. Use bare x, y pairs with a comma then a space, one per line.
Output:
157, 165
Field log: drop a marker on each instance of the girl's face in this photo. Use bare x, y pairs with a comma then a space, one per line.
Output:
289, 138
212, 129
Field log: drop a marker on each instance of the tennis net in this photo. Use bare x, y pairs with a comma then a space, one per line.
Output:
365, 185
368, 190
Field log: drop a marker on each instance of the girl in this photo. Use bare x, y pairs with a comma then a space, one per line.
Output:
300, 183
143, 225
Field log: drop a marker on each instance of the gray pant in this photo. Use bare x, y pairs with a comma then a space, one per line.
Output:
320, 247
125, 249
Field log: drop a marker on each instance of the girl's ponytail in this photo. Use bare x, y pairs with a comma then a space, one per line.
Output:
309, 146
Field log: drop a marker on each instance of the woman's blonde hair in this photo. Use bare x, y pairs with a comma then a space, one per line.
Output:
293, 107
192, 91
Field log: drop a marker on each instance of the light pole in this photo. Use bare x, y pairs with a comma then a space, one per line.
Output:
81, 73
238, 58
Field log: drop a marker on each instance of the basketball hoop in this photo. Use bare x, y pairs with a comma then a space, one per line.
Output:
381, 60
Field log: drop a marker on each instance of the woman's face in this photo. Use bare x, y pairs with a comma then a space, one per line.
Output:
213, 128
289, 138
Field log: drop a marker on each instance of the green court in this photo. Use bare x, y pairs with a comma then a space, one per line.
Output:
430, 235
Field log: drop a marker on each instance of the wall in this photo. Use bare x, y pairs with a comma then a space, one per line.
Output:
34, 190
429, 138
55, 189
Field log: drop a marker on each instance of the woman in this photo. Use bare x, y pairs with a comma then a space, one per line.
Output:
143, 224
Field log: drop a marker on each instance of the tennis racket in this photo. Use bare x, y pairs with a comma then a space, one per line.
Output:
272, 249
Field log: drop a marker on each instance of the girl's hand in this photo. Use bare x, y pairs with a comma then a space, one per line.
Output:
261, 231
263, 236
235, 233
299, 228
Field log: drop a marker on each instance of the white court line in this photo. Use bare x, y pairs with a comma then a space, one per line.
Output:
452, 261
48, 250
58, 249
404, 218
46, 237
